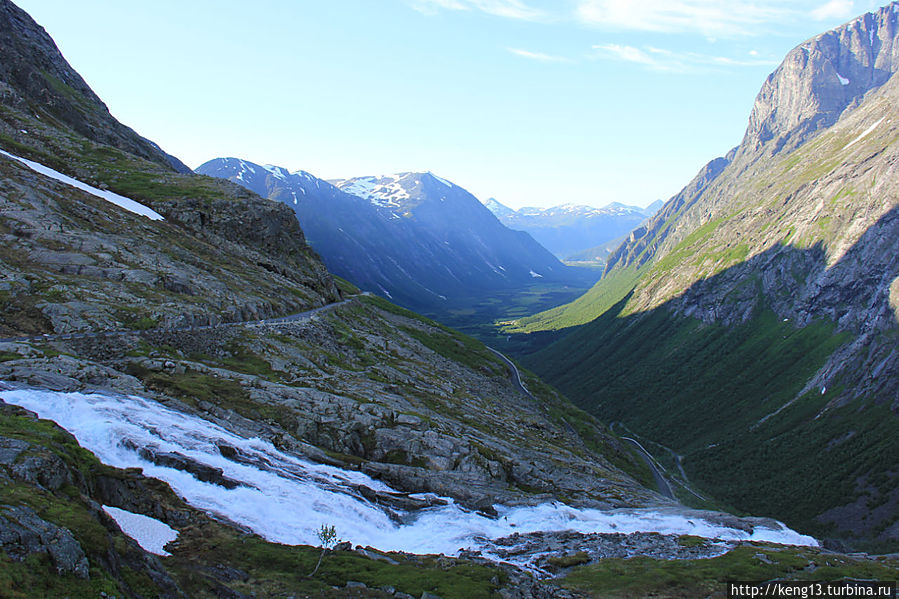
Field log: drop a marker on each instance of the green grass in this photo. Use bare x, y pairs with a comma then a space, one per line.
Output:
567, 561
36, 578
278, 570
703, 390
194, 387
641, 577
602, 296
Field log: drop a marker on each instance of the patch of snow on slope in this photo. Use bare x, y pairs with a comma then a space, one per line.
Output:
442, 180
386, 191
360, 186
277, 171
843, 80
864, 133
114, 198
151, 534
536, 275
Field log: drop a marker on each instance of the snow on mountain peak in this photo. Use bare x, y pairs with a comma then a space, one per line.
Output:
385, 191
441, 180
277, 171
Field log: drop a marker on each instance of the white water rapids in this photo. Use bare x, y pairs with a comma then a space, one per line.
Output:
287, 499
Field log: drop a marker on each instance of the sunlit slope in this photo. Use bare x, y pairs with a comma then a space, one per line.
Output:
752, 326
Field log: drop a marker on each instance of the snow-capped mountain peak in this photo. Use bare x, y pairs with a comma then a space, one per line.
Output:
389, 191
386, 191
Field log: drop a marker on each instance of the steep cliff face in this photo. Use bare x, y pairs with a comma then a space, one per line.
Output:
35, 77
821, 78
796, 226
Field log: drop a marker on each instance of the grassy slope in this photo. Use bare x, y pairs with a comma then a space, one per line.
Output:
762, 227
646, 577
703, 390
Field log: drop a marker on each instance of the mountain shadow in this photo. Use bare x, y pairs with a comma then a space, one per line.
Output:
775, 378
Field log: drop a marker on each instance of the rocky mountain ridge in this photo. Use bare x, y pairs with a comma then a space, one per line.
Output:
796, 227
38, 80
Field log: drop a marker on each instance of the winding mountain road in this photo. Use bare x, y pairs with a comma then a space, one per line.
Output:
662, 483
121, 333
516, 375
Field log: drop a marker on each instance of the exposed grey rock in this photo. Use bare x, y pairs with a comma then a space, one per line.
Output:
22, 533
821, 78
200, 471
44, 469
10, 449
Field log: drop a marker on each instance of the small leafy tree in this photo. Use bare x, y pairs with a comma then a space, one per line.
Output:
327, 536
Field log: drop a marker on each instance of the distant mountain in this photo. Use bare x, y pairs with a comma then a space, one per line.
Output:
751, 325
413, 237
571, 229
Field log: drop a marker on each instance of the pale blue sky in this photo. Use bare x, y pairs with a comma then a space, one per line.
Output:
532, 102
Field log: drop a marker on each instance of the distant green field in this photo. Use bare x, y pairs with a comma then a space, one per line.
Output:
484, 317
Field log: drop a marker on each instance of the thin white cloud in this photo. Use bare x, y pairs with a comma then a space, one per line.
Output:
709, 17
512, 9
834, 9
660, 59
538, 56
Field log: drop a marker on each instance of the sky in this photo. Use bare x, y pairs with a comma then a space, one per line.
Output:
532, 102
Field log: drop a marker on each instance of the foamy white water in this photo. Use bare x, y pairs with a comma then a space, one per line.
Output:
286, 499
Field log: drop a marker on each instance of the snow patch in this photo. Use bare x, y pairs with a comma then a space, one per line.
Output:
843, 80
864, 133
277, 171
442, 180
151, 534
536, 275
385, 191
114, 198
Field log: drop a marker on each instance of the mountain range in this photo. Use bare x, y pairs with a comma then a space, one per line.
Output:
762, 300
573, 231
414, 238
193, 406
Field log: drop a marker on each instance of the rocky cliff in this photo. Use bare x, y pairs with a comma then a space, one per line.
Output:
797, 225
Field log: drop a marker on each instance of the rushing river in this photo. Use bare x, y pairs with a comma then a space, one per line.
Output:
287, 499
